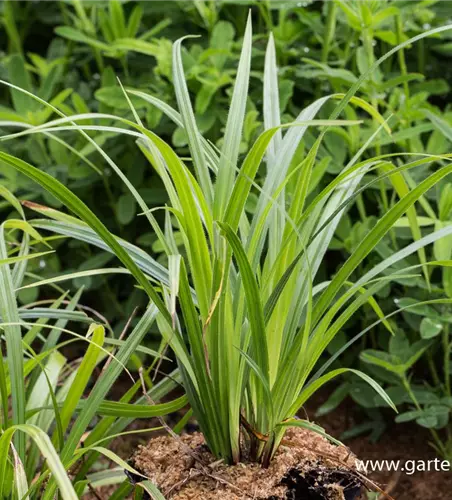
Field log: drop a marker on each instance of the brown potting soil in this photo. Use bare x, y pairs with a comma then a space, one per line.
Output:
184, 469
399, 442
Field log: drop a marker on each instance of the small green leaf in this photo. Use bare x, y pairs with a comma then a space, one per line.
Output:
78, 36
117, 19
447, 281
113, 96
430, 328
134, 23
222, 37
442, 248
126, 208
19, 76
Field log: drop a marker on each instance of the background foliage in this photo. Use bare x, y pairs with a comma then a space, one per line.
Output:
77, 55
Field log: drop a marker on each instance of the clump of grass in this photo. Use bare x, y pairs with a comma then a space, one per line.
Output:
46, 402
241, 304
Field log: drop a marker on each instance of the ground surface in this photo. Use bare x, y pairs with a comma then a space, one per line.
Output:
407, 442
184, 469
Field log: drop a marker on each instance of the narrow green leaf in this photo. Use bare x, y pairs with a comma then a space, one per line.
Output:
83, 375
188, 119
234, 125
254, 305
78, 36
314, 386
48, 451
152, 490
117, 19
69, 199
9, 312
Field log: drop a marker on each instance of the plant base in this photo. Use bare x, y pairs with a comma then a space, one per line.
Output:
306, 467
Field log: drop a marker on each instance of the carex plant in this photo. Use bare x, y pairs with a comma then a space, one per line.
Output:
47, 404
240, 302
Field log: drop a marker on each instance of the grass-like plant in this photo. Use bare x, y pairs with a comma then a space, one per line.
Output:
46, 402
240, 303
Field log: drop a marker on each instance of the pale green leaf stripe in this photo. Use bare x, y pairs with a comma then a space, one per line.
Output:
175, 117
44, 444
131, 410
20, 478
144, 261
49, 313
18, 271
125, 433
295, 422
110, 477
141, 348
24, 226
12, 200
53, 137
52, 125
112, 456
54, 335
109, 129
246, 176
271, 98
272, 118
163, 106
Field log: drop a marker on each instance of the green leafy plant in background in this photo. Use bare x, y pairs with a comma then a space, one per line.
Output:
240, 304
312, 46
82, 35
117, 32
